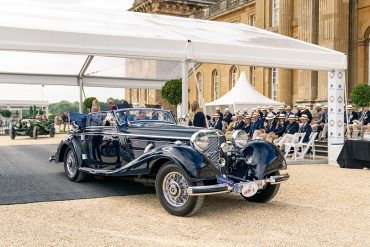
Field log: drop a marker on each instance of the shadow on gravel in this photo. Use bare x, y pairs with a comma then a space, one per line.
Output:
26, 176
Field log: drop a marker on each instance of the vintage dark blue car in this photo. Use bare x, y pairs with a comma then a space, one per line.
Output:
184, 163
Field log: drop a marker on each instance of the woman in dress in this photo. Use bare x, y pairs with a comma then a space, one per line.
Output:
199, 117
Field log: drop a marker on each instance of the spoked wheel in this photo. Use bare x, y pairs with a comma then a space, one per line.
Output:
12, 133
71, 167
266, 194
171, 187
34, 132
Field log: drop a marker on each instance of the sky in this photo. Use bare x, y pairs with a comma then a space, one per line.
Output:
58, 93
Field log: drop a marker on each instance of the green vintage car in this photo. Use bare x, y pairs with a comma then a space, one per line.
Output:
32, 128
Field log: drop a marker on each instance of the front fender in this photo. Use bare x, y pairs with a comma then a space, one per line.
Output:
266, 158
194, 165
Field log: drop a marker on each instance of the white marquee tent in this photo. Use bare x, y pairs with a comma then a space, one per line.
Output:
77, 37
242, 96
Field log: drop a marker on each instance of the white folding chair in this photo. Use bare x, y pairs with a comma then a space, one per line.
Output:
306, 146
296, 143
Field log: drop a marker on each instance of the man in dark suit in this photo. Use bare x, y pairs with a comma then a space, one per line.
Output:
227, 116
307, 112
305, 128
288, 112
292, 127
349, 117
279, 129
324, 123
218, 121
247, 123
240, 123
270, 127
271, 110
218, 111
256, 124
363, 121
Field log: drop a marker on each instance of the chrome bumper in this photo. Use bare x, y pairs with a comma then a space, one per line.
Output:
237, 187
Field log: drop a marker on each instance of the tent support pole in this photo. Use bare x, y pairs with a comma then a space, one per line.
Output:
185, 87
336, 104
80, 84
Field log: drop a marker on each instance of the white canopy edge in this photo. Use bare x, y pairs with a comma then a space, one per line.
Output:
24, 27
89, 81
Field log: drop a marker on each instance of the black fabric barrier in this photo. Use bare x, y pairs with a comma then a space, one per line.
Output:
355, 154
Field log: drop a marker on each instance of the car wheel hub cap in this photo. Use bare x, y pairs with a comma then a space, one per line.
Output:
71, 164
174, 189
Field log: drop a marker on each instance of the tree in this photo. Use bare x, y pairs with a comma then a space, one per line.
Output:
172, 92
88, 103
63, 106
360, 95
6, 114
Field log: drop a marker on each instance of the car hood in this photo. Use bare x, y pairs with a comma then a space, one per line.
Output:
166, 131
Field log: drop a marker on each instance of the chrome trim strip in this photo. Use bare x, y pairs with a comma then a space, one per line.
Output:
226, 188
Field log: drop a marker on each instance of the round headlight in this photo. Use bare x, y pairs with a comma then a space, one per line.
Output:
239, 139
199, 141
225, 147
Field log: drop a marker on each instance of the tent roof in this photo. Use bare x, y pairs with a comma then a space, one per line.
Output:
243, 94
68, 29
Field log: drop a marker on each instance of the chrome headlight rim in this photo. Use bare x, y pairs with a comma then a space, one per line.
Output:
195, 141
239, 139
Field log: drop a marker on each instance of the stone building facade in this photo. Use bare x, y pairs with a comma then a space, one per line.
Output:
175, 7
342, 25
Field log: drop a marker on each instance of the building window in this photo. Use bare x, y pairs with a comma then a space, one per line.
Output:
200, 85
253, 76
252, 20
275, 13
233, 76
216, 84
274, 82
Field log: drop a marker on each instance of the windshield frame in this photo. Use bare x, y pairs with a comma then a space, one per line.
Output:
118, 120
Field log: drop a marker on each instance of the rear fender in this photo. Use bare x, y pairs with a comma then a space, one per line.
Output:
69, 142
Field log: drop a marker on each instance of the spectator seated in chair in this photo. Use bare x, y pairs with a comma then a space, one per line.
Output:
218, 121
257, 124
305, 128
351, 115
270, 127
292, 127
279, 129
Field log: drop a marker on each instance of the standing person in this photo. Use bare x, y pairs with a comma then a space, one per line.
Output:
199, 117
111, 105
57, 122
324, 123
218, 121
227, 116
95, 106
65, 120
218, 111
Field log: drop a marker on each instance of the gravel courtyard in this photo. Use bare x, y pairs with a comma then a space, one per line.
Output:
321, 205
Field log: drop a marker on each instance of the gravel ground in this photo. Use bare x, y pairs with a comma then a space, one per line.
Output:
321, 205
26, 140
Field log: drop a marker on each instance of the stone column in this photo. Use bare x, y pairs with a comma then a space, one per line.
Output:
285, 88
333, 26
307, 80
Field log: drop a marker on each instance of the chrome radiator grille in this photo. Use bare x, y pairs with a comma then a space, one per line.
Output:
214, 148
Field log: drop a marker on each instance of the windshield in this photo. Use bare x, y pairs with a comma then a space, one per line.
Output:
144, 115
